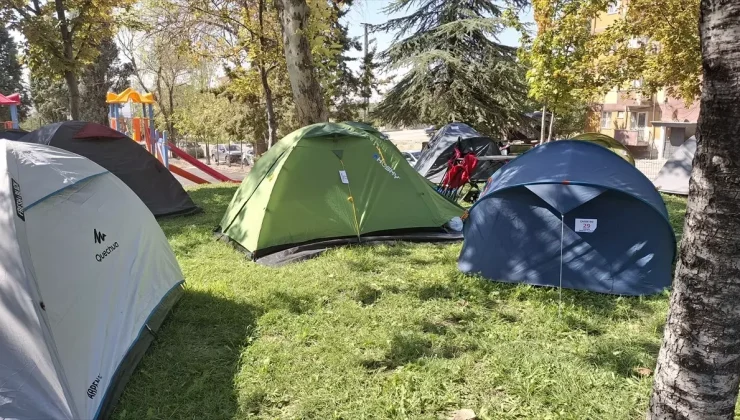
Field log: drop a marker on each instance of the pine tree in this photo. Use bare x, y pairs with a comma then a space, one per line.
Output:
10, 72
457, 71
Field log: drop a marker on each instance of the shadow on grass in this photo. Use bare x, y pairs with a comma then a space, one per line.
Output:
413, 347
623, 358
490, 294
189, 370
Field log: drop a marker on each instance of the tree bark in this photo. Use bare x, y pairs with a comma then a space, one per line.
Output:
269, 109
699, 362
542, 125
68, 50
552, 121
309, 101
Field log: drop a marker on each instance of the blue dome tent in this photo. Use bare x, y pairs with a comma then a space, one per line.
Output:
571, 214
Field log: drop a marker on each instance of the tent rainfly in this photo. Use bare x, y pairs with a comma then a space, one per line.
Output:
571, 214
331, 184
609, 142
432, 163
86, 278
673, 177
124, 158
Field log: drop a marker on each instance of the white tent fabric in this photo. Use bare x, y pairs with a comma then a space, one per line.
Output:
673, 177
86, 275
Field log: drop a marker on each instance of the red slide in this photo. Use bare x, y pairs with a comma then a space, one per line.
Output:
195, 162
187, 175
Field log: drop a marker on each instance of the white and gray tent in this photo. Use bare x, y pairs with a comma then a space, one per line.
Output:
673, 177
86, 278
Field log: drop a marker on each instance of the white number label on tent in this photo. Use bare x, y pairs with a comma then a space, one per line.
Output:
343, 176
585, 225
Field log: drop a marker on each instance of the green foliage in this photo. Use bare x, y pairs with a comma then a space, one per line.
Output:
49, 96
456, 69
88, 22
553, 57
385, 332
10, 74
656, 42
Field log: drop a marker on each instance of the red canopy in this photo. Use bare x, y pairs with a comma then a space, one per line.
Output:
14, 99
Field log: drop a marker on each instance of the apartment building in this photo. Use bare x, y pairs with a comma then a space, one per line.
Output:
650, 126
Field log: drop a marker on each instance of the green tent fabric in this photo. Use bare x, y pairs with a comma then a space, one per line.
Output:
329, 184
608, 142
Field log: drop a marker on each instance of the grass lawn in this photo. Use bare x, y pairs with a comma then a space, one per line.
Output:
387, 332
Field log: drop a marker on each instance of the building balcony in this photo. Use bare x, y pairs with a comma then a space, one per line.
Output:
636, 137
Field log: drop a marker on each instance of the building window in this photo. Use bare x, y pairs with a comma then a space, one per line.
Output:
638, 120
613, 7
620, 115
637, 84
606, 119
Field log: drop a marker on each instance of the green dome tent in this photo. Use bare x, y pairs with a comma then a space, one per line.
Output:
608, 142
331, 184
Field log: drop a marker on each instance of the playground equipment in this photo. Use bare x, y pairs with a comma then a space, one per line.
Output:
142, 131
11, 101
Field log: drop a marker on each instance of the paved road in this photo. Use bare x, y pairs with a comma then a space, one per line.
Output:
408, 140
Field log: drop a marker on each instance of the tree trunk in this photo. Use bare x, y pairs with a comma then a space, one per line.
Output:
699, 362
542, 125
269, 108
208, 153
309, 102
552, 121
68, 50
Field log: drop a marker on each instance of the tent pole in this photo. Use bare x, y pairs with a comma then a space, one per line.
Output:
560, 289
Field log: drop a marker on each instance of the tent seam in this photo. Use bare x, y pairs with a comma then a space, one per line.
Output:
62, 189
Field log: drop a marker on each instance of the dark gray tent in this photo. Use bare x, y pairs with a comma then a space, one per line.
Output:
673, 178
571, 214
432, 163
124, 158
13, 134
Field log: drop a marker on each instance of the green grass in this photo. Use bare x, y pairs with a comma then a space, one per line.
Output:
386, 332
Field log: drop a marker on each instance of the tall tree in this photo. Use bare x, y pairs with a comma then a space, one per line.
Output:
699, 362
160, 64
50, 97
104, 74
554, 54
369, 82
62, 36
656, 42
457, 70
11, 72
309, 101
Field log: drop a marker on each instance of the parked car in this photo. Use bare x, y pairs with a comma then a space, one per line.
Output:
192, 148
248, 158
226, 153
411, 157
430, 131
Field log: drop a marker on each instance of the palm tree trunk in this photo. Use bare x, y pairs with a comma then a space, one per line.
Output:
309, 101
699, 362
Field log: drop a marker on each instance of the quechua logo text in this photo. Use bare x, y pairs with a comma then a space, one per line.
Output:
18, 199
99, 238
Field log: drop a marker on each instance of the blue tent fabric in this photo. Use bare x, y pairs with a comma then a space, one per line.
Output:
513, 233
